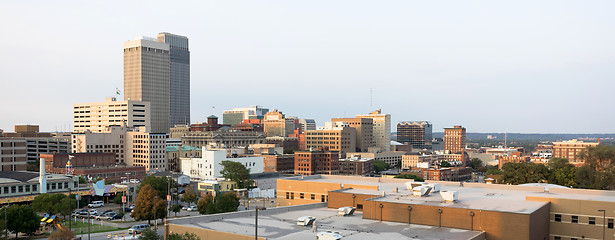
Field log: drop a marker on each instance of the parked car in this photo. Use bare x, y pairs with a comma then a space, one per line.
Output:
135, 181
77, 213
191, 208
136, 229
84, 213
106, 216
96, 204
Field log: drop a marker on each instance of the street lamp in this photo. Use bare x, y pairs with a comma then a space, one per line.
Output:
256, 221
603, 223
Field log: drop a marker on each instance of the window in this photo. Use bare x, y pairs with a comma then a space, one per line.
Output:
322, 198
359, 206
558, 217
557, 238
301, 195
292, 195
592, 221
575, 219
287, 195
313, 197
610, 225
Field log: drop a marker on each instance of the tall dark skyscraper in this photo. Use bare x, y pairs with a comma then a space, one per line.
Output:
179, 78
418, 134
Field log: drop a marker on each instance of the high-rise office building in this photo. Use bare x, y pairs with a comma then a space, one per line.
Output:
417, 134
365, 131
147, 78
179, 78
382, 128
455, 139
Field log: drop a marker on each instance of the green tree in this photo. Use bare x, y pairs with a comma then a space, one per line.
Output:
82, 180
598, 172
185, 236
380, 165
62, 234
22, 219
227, 202
149, 205
160, 184
176, 208
118, 198
150, 234
476, 163
562, 172
237, 172
520, 173
205, 205
411, 176
54, 203
493, 170
445, 164
190, 196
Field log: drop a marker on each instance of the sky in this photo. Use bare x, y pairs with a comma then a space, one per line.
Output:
491, 66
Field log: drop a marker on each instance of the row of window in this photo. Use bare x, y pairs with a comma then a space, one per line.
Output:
291, 195
590, 220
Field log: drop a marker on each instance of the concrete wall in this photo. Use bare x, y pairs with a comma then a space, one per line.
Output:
584, 210
207, 234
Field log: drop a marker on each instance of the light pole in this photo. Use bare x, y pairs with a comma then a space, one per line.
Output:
256, 221
70, 208
603, 223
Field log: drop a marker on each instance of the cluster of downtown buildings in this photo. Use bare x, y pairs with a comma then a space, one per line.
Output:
149, 131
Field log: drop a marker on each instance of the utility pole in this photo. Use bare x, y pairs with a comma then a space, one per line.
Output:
603, 223
70, 208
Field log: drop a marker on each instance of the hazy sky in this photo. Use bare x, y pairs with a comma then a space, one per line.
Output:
491, 66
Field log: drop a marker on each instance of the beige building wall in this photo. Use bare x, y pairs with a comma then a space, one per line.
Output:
382, 128
340, 139
96, 117
390, 157
275, 124
146, 78
365, 131
110, 140
13, 154
148, 150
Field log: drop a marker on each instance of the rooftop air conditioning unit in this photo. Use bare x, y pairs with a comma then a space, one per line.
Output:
421, 191
412, 185
435, 187
345, 211
306, 220
450, 196
328, 235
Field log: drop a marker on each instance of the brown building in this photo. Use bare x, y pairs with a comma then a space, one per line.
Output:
356, 166
287, 143
336, 138
13, 154
500, 211
284, 163
91, 164
570, 150
211, 125
300, 139
364, 128
512, 159
418, 134
455, 139
316, 162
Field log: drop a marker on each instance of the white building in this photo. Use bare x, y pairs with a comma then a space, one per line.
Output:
209, 165
97, 116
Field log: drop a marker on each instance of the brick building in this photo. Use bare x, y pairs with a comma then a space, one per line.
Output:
91, 164
316, 162
455, 139
570, 150
13, 154
356, 166
282, 163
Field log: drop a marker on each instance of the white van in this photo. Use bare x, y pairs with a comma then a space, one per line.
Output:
96, 204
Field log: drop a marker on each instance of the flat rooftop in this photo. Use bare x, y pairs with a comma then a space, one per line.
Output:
493, 197
280, 223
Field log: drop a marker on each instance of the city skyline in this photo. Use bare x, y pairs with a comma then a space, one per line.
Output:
491, 67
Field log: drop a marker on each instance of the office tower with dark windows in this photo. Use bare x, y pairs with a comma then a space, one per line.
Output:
146, 78
179, 78
417, 133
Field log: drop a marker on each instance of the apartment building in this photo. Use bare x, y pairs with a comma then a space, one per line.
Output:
281, 163
570, 150
455, 139
417, 133
356, 166
98, 116
223, 137
174, 153
364, 127
382, 129
334, 136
